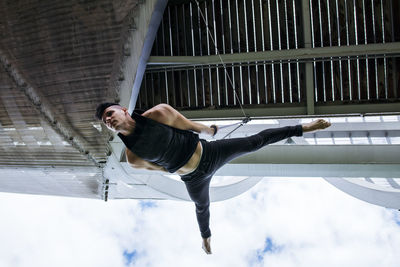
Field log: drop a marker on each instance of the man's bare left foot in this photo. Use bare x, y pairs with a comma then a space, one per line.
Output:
316, 125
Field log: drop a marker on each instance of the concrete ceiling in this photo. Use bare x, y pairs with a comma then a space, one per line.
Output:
59, 59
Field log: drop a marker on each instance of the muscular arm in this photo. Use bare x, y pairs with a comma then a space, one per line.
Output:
166, 114
138, 163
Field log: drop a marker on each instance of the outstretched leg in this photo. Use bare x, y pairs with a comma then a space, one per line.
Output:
226, 150
229, 149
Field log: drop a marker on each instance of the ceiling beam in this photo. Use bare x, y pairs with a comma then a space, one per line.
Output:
282, 55
390, 129
309, 77
310, 170
294, 110
323, 154
318, 161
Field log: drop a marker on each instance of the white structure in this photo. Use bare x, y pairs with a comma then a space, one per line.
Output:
378, 191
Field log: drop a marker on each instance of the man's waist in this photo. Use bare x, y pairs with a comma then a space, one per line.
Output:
193, 162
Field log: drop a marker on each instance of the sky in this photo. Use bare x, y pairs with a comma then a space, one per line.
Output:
279, 222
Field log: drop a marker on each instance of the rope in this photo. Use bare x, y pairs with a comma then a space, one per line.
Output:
246, 118
240, 124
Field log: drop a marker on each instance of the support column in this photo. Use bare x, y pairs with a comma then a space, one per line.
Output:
309, 79
138, 46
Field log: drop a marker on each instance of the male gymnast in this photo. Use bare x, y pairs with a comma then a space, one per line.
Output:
162, 139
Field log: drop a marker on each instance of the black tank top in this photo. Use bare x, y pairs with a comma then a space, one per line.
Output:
161, 144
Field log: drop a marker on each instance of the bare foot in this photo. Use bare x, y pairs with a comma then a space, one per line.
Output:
206, 245
316, 125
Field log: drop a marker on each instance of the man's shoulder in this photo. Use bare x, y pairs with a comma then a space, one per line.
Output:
160, 113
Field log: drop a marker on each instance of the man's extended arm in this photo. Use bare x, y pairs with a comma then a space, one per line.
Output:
166, 114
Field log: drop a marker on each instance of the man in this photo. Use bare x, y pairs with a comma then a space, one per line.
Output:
162, 139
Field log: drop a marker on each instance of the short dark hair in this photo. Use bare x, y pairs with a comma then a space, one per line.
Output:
103, 106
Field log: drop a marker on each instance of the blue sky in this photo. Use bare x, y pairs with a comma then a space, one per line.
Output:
270, 247
146, 204
396, 217
280, 222
130, 257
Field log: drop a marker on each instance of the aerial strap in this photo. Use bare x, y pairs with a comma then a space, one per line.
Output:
239, 124
246, 118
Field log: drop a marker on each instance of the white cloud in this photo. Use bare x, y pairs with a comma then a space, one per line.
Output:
312, 222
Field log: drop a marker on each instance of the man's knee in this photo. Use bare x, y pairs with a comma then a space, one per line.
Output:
203, 207
256, 141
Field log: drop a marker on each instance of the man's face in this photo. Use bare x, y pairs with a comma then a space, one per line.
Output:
114, 117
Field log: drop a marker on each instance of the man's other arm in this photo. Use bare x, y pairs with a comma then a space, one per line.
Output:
138, 163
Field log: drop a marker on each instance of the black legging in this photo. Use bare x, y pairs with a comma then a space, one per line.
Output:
215, 155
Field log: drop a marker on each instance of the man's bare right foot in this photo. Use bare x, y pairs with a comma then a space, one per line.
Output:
316, 125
